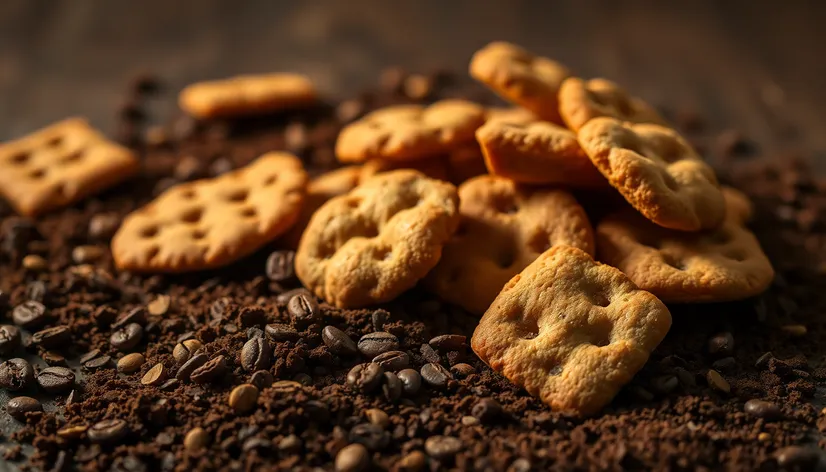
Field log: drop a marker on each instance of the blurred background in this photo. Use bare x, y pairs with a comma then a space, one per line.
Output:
754, 66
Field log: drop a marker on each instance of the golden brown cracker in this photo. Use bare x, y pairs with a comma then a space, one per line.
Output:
581, 101
656, 171
464, 163
60, 165
503, 228
738, 204
571, 331
373, 243
212, 222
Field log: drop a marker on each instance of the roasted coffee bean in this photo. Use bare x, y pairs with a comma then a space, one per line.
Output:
255, 332
131, 363
94, 353
717, 382
442, 447
108, 431
413, 462
290, 444
16, 374
135, 315
486, 410
35, 263
373, 344
184, 350
392, 387
30, 315
435, 375
243, 398
103, 226
127, 337
17, 407
763, 409
159, 306
196, 439
462, 370
303, 379
338, 342
303, 309
281, 266
721, 344
352, 458
97, 362
411, 381
87, 254
448, 342
154, 376
36, 291
278, 332
371, 436
213, 370
726, 364
378, 417
393, 361
664, 384
365, 377
195, 362
169, 385
53, 338
798, 458
56, 379
256, 355
286, 387
763, 360
73, 431
262, 379
379, 318
9, 339
429, 354
54, 359
220, 308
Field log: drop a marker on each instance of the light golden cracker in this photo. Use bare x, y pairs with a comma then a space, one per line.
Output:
571, 331
212, 222
519, 76
656, 171
319, 190
465, 162
581, 101
503, 228
60, 165
373, 243
247, 95
409, 132
719, 265
537, 152
738, 205
433, 167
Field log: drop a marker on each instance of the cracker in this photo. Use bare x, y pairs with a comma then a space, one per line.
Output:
719, 265
410, 132
571, 331
60, 165
738, 204
656, 171
373, 243
503, 228
465, 162
519, 76
537, 152
212, 222
581, 101
247, 95
319, 190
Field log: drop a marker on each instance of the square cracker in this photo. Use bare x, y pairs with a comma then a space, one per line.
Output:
570, 330
59, 165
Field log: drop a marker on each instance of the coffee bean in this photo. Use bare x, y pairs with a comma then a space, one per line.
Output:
393, 360
717, 382
255, 332
338, 342
108, 431
261, 379
159, 306
794, 330
196, 439
97, 363
131, 363
56, 379
87, 254
462, 370
290, 444
797, 458
9, 339
763, 360
685, 377
303, 309
195, 362
442, 447
721, 344
36, 291
35, 263
184, 350
378, 417
243, 398
413, 462
303, 379
213, 370
726, 364
664, 384
103, 226
379, 318
286, 387
487, 410
278, 332
256, 355
435, 375
94, 353
154, 376
392, 387
281, 266
54, 359
73, 431
352, 458
127, 337
17, 407
16, 374
30, 315
371, 436
411, 381
373, 344
220, 308
365, 377
53, 338
763, 409
135, 315
448, 342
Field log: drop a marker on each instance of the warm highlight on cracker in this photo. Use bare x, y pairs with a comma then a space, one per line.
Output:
581, 101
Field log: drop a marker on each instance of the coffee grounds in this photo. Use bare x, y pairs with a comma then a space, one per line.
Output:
673, 415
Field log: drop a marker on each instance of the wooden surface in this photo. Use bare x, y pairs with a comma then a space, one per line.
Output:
754, 66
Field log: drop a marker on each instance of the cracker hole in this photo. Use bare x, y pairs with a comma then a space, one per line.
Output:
528, 328
673, 262
736, 255
270, 179
670, 182
249, 212
600, 299
353, 202
383, 254
238, 196
555, 370
193, 215
188, 194
623, 106
72, 157
37, 174
20, 158
152, 252
149, 232
539, 242
55, 141
199, 234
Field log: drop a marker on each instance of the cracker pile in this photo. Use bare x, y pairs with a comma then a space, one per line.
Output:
474, 204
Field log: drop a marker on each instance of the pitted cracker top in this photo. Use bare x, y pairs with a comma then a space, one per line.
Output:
581, 101
373, 243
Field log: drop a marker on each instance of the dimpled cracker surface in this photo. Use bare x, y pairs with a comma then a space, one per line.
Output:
409, 132
718, 265
247, 95
537, 152
656, 171
521, 77
213, 222
373, 243
571, 331
60, 165
504, 228
581, 101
